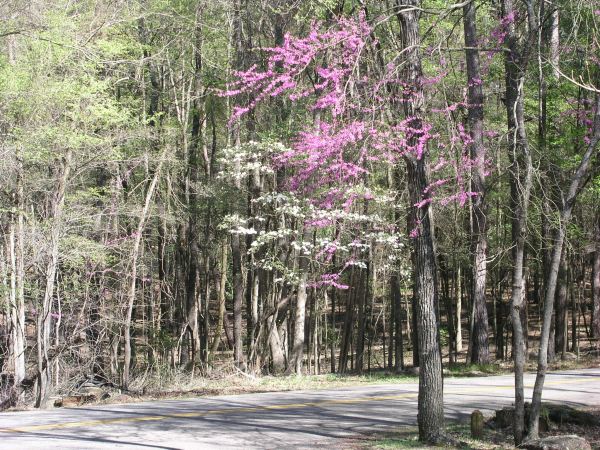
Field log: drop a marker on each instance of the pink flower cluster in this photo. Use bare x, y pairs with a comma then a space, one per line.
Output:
352, 132
330, 279
582, 111
343, 45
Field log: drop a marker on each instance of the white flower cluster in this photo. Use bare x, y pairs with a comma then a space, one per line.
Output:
266, 237
239, 161
304, 247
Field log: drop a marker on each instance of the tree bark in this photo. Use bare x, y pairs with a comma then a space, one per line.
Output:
596, 286
277, 355
134, 257
236, 244
222, 290
44, 322
361, 318
348, 325
297, 355
396, 332
578, 180
555, 42
515, 63
198, 122
560, 318
459, 302
16, 255
430, 401
480, 341
238, 299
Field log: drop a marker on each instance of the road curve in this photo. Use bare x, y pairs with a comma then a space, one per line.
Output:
298, 419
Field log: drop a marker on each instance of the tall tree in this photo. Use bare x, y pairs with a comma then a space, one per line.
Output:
236, 244
431, 384
480, 342
516, 60
45, 316
596, 283
297, 355
577, 182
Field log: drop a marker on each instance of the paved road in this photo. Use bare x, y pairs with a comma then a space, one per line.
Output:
299, 419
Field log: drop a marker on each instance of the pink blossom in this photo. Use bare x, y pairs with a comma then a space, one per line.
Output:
330, 157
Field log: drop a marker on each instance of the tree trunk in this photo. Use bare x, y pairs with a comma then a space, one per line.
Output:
397, 329
44, 322
515, 64
560, 318
333, 329
430, 401
448, 305
134, 257
574, 334
578, 180
192, 291
555, 42
16, 255
236, 244
297, 355
16, 258
222, 289
275, 347
361, 318
480, 342
348, 325
238, 299
596, 286
458, 295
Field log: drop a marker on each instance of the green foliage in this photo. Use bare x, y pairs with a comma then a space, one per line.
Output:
475, 369
114, 84
79, 251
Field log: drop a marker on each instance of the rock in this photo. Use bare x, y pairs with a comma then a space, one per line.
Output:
88, 398
567, 442
92, 390
505, 417
477, 423
74, 400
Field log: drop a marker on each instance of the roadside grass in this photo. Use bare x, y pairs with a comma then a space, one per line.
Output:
408, 437
177, 384
571, 362
466, 370
333, 380
224, 379
563, 420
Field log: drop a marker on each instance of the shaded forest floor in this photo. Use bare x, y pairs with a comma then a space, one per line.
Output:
587, 426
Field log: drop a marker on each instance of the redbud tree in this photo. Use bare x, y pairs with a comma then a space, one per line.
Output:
337, 73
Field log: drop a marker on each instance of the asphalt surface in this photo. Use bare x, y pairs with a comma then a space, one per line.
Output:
298, 419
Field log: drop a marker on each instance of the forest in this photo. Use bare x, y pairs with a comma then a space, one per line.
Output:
296, 187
